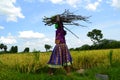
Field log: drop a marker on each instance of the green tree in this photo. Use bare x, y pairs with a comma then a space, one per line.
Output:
71, 49
95, 36
47, 47
85, 47
14, 49
26, 49
5, 48
35, 51
1, 46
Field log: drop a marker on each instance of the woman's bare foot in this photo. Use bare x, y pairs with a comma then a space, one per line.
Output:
68, 74
50, 74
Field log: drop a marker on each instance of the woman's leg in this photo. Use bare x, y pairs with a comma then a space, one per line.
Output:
67, 68
50, 72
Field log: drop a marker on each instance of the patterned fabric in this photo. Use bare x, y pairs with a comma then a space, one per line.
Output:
60, 35
60, 56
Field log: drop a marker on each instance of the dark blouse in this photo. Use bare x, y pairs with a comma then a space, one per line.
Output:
60, 35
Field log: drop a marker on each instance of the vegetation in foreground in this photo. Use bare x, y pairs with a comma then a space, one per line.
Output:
32, 66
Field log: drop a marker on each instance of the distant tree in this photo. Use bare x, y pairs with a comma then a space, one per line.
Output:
35, 51
106, 44
5, 48
85, 47
113, 44
77, 49
26, 49
14, 49
1, 46
95, 36
71, 49
47, 47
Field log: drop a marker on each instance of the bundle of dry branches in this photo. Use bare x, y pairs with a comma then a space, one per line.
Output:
67, 18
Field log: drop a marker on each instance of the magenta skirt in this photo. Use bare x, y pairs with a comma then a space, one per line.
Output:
60, 56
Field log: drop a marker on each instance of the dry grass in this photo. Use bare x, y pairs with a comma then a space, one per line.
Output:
31, 62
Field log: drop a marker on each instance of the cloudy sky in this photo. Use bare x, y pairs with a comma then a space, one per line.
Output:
21, 21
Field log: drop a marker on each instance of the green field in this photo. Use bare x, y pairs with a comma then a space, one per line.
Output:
33, 66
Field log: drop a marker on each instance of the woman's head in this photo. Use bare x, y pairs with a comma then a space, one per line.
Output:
59, 25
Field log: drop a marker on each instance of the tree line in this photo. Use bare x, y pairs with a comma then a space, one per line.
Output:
104, 44
95, 35
14, 49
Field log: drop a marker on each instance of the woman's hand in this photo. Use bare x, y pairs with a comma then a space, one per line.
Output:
57, 41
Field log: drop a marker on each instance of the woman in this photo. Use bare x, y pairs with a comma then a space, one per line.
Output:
60, 56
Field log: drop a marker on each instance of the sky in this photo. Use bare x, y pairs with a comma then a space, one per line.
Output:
21, 22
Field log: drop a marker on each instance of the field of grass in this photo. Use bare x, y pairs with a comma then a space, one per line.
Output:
33, 66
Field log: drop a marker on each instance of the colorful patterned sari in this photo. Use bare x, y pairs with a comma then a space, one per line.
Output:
60, 56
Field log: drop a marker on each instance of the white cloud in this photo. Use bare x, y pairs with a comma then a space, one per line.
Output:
9, 10
8, 40
37, 44
46, 40
1, 27
30, 35
73, 3
77, 3
56, 1
32, 1
93, 6
115, 3
74, 42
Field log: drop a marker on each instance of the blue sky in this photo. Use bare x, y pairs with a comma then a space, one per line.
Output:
21, 21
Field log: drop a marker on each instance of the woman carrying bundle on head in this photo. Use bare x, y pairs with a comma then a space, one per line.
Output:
60, 56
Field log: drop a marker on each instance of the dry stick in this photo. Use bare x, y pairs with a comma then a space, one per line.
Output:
72, 32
